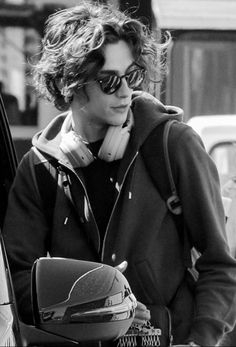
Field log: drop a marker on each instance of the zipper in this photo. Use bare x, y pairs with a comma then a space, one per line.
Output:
114, 207
87, 197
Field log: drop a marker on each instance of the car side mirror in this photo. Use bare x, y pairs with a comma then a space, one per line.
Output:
81, 300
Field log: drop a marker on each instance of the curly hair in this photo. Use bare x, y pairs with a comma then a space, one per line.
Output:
72, 49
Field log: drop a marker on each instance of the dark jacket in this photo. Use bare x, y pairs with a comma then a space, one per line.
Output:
141, 230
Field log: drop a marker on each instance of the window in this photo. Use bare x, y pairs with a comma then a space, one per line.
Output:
20, 48
202, 73
224, 155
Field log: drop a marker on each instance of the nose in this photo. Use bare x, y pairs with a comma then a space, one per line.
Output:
124, 90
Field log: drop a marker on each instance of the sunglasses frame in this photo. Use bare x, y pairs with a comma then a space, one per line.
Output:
139, 68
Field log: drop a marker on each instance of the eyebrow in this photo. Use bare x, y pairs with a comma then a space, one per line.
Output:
116, 71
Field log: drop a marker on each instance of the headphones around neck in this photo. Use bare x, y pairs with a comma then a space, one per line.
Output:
113, 146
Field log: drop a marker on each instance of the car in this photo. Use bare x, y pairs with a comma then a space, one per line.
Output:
66, 313
218, 133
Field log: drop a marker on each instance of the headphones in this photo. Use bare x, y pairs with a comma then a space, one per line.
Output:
76, 150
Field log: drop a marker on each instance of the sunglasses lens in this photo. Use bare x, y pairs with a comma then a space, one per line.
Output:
110, 84
135, 78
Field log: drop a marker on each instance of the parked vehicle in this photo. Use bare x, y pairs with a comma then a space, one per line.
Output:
73, 301
218, 133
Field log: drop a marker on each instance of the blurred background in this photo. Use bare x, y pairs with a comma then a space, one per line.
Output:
201, 58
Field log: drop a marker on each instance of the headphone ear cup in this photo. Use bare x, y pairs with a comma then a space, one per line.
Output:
114, 143
76, 150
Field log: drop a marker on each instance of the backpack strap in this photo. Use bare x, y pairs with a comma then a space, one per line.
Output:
173, 201
156, 157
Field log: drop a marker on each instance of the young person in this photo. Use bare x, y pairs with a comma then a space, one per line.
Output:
95, 66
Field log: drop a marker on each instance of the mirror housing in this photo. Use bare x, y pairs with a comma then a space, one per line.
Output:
81, 300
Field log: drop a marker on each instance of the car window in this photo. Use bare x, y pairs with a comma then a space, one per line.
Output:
224, 155
202, 79
5, 293
8, 161
19, 52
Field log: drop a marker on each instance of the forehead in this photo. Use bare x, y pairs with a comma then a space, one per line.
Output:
118, 56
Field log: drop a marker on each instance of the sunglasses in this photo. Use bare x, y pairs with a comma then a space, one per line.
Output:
111, 83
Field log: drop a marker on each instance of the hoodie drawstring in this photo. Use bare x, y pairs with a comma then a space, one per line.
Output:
131, 184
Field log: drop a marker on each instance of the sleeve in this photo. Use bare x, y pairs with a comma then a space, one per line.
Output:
199, 190
25, 234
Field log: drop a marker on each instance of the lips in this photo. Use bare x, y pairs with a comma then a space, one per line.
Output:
120, 107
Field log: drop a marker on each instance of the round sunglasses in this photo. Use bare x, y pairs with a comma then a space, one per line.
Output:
110, 83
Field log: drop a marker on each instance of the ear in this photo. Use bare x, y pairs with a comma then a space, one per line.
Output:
59, 84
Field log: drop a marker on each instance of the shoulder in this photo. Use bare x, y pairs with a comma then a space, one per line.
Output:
183, 144
183, 135
34, 162
36, 156
179, 134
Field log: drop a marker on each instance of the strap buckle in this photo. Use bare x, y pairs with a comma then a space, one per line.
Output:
174, 205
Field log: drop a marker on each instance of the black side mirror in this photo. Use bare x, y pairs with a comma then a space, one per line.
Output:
81, 300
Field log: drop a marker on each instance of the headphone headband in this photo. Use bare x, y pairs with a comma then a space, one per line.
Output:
113, 147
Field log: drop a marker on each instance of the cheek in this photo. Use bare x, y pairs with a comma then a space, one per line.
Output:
94, 93
98, 100
101, 100
101, 106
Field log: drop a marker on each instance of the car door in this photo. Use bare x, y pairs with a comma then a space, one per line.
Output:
8, 161
9, 323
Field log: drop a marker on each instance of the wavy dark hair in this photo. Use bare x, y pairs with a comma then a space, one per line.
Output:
72, 49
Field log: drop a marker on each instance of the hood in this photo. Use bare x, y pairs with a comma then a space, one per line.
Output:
48, 140
148, 113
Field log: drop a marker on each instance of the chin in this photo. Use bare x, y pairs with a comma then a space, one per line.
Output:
118, 119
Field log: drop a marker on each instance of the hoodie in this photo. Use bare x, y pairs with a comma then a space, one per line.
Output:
140, 230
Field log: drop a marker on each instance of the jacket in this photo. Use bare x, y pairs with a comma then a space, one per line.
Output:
141, 230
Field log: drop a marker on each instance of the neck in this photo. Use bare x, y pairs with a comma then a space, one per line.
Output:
89, 132
83, 126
